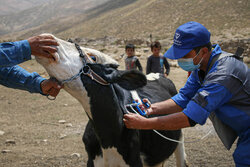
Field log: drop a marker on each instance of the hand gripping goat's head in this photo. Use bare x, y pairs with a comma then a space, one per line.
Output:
67, 63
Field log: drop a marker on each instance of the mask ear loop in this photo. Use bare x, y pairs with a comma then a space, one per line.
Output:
196, 56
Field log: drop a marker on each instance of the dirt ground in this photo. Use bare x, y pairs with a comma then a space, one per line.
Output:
33, 136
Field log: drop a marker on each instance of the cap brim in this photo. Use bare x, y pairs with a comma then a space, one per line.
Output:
176, 53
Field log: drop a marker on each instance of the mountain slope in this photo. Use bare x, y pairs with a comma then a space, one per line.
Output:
139, 18
36, 16
162, 17
14, 6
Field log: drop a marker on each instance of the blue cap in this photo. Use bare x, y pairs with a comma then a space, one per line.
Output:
187, 37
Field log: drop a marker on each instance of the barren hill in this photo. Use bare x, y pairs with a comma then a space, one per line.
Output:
139, 18
14, 6
40, 15
162, 17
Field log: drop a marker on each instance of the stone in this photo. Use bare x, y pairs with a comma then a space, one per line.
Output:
62, 121
69, 125
10, 142
1, 133
76, 155
62, 136
6, 151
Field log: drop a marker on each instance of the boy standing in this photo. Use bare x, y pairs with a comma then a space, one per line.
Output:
156, 62
132, 62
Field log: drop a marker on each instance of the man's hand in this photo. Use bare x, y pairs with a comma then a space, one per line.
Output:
51, 87
135, 121
150, 109
42, 45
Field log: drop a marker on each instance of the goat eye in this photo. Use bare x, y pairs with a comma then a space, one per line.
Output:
93, 58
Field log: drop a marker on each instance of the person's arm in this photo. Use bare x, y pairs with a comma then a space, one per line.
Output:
125, 62
148, 68
178, 102
163, 107
170, 122
18, 78
188, 91
138, 64
208, 99
12, 53
167, 66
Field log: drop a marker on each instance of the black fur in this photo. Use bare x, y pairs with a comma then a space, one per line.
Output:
108, 107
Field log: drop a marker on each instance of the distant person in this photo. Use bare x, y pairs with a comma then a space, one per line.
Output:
13, 76
131, 61
156, 62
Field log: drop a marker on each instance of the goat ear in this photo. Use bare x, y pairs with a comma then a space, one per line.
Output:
129, 80
115, 66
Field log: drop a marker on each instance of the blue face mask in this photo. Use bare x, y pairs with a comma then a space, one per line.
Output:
188, 64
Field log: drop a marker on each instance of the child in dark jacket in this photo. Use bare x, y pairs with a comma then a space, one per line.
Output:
132, 62
156, 62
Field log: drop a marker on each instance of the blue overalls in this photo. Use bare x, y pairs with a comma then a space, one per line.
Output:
225, 91
13, 76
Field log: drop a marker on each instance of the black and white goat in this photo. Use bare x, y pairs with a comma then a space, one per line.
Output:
107, 141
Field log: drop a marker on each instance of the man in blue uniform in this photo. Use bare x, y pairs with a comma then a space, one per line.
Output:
13, 76
219, 88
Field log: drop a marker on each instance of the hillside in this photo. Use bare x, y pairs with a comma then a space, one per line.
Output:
139, 18
14, 6
162, 17
41, 14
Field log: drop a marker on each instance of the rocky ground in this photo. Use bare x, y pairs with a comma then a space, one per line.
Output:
37, 132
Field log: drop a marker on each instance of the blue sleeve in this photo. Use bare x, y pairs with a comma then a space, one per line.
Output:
188, 91
18, 78
13, 53
207, 99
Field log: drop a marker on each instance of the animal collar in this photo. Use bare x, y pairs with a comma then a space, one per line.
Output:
86, 70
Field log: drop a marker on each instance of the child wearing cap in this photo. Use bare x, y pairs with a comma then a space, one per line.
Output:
156, 62
132, 62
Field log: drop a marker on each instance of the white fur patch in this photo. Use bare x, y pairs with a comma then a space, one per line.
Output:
111, 158
180, 154
98, 161
135, 96
153, 76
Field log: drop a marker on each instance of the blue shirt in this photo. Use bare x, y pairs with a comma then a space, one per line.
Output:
225, 90
13, 76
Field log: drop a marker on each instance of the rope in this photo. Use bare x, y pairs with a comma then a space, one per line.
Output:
73, 77
173, 140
